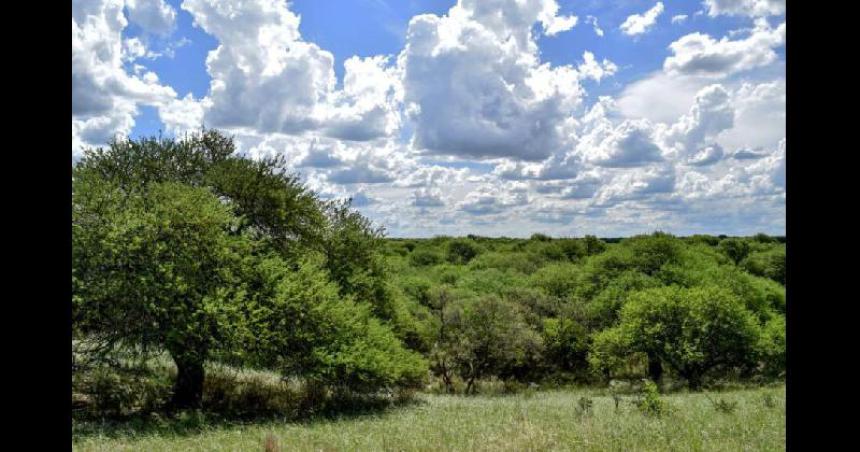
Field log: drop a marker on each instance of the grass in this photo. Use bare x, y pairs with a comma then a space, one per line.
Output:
529, 421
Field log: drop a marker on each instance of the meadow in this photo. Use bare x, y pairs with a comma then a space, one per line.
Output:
545, 420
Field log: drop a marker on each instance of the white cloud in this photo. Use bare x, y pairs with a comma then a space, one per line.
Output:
660, 97
428, 197
627, 145
105, 97
753, 8
153, 16
680, 18
760, 115
593, 21
711, 114
368, 105
640, 23
708, 155
494, 199
636, 184
266, 78
474, 86
591, 68
699, 54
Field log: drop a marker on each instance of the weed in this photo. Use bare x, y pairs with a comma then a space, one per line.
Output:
723, 405
649, 402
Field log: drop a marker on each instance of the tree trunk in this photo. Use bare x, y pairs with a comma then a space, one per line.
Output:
469, 385
188, 388
655, 369
694, 381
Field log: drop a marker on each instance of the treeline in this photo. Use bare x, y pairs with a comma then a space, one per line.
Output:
186, 248
581, 309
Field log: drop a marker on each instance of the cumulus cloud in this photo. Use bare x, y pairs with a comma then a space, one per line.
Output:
708, 155
474, 86
680, 18
760, 115
753, 8
748, 154
636, 184
153, 16
711, 114
427, 197
637, 24
591, 68
494, 199
266, 78
105, 97
628, 145
700, 54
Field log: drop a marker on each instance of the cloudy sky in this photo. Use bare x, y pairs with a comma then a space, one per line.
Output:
492, 117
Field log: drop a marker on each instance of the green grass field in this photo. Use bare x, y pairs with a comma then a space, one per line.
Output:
533, 421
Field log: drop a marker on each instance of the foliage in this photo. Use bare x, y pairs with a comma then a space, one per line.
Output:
768, 264
494, 340
649, 402
695, 331
461, 251
735, 248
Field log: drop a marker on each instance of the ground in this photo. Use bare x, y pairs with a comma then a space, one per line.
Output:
549, 420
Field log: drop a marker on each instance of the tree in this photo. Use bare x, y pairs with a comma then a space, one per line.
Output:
172, 242
353, 257
156, 268
735, 248
767, 264
694, 331
461, 251
494, 339
304, 327
270, 201
593, 245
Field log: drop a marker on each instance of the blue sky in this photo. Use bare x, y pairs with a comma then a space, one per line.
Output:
451, 118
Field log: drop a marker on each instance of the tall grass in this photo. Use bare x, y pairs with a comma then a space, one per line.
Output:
531, 421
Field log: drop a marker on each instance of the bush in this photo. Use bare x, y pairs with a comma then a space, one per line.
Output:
308, 330
649, 402
494, 340
461, 251
772, 347
768, 264
735, 248
522, 262
423, 257
695, 331
556, 280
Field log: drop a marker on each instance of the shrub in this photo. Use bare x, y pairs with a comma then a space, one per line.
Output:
772, 347
723, 405
649, 402
735, 248
522, 262
768, 264
593, 245
461, 251
423, 257
557, 280
694, 331
584, 406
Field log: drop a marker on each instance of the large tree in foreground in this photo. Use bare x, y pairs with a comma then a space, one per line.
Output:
185, 247
156, 269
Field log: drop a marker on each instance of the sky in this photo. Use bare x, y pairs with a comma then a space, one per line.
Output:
487, 117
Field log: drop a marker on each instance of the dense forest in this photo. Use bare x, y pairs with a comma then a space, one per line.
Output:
186, 249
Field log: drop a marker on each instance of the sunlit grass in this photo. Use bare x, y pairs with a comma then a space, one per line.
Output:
531, 421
